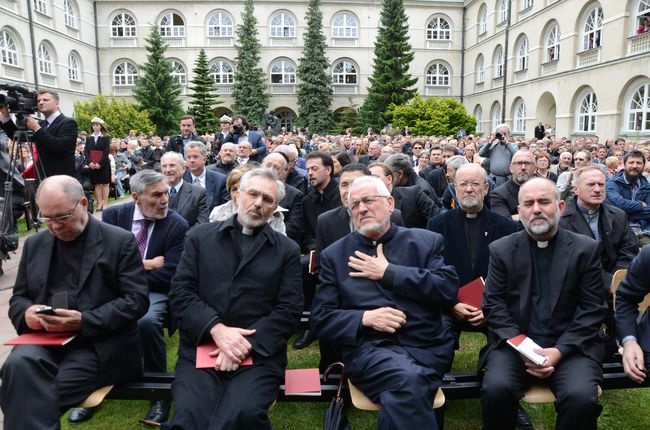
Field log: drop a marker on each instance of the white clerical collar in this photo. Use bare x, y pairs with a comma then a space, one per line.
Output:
471, 215
247, 231
542, 244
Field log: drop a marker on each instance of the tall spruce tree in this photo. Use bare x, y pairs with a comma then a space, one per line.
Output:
315, 87
157, 90
250, 87
390, 81
204, 96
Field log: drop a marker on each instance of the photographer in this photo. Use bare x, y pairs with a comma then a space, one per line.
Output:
177, 142
242, 133
499, 153
55, 137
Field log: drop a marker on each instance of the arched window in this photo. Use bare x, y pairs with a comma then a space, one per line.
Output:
283, 25
172, 25
74, 67
45, 61
438, 29
520, 117
222, 72
437, 75
502, 11
482, 20
344, 25
8, 49
478, 114
220, 25
123, 25
178, 72
283, 72
125, 74
522, 54
344, 72
480, 70
592, 29
40, 6
496, 115
70, 14
639, 109
587, 110
525, 4
498, 62
642, 16
552, 44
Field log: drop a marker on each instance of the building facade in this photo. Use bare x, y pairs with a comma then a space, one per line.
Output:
581, 65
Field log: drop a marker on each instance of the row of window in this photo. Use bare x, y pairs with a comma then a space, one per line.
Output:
70, 11
281, 24
637, 112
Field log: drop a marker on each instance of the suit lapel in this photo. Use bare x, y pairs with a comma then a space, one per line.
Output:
522, 263
183, 196
92, 251
561, 257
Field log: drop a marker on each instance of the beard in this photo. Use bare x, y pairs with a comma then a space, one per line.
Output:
249, 221
376, 229
540, 230
471, 204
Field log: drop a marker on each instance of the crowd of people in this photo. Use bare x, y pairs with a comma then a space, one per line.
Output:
230, 236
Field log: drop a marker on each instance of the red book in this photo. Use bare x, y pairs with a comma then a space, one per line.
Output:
525, 346
96, 155
45, 338
302, 382
204, 361
472, 292
312, 262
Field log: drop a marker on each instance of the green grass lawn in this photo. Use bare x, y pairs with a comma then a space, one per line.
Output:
622, 409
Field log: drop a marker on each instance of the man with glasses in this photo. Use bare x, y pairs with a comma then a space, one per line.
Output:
504, 198
380, 300
245, 303
91, 274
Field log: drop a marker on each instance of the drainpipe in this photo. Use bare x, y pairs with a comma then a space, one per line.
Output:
30, 18
462, 58
505, 64
99, 73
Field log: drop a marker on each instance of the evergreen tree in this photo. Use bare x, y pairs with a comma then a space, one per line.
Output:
250, 88
315, 87
390, 81
157, 90
204, 97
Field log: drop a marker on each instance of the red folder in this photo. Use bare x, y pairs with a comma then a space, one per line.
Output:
312, 262
96, 155
302, 382
45, 338
472, 292
204, 361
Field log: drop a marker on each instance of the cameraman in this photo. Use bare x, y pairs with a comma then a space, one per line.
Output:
242, 133
55, 137
177, 142
499, 153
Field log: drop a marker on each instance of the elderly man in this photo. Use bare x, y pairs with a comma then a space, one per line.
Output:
503, 199
405, 176
374, 151
557, 300
500, 152
160, 234
565, 161
246, 303
227, 159
292, 201
185, 198
565, 179
212, 182
91, 274
380, 300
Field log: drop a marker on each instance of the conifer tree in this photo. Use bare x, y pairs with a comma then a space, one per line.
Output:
156, 90
204, 96
250, 87
315, 84
391, 81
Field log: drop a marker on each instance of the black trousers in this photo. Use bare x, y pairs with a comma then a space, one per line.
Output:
574, 384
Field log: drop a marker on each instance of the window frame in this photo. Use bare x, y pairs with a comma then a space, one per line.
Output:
345, 75
174, 29
593, 26
587, 113
74, 67
442, 73
345, 30
284, 72
9, 50
128, 29
221, 28
219, 68
552, 42
284, 28
70, 14
633, 112
46, 64
129, 76
439, 29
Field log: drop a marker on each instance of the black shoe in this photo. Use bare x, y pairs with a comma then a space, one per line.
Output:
304, 340
523, 419
158, 411
79, 415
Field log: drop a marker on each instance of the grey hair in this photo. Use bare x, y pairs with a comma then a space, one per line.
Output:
264, 173
195, 144
176, 155
381, 188
456, 161
288, 150
401, 162
481, 171
141, 180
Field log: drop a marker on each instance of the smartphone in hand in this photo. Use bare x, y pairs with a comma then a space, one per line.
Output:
46, 310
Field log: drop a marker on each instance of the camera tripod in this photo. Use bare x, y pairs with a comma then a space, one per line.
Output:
22, 136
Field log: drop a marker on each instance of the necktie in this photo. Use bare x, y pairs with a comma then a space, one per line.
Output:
197, 181
141, 237
172, 191
46, 124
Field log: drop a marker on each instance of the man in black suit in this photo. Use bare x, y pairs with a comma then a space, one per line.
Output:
91, 274
292, 200
185, 198
504, 198
245, 303
540, 131
294, 178
227, 159
177, 142
212, 182
415, 205
55, 137
405, 176
162, 234
559, 303
374, 151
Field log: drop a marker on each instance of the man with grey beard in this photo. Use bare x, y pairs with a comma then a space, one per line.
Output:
544, 282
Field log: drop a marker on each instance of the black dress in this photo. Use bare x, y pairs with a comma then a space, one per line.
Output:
102, 144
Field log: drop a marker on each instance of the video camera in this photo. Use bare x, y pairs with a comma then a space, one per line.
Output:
499, 136
20, 100
238, 129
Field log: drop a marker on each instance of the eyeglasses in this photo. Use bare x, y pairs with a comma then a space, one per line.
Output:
367, 201
59, 219
523, 163
254, 194
475, 185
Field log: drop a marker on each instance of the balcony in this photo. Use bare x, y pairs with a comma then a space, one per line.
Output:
521, 75
221, 41
549, 68
48, 80
343, 42
122, 90
9, 4
338, 89
430, 90
438, 44
224, 90
176, 42
283, 88
638, 44
588, 57
124, 42
12, 72
282, 41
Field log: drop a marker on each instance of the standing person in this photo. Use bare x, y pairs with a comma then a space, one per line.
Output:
187, 134
55, 137
96, 151
559, 303
540, 131
500, 152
